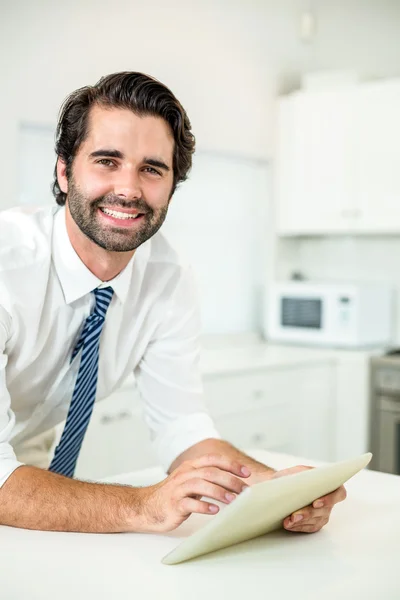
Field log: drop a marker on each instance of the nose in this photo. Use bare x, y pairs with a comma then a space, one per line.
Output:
127, 185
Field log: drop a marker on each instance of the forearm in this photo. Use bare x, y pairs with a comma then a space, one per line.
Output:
215, 446
33, 498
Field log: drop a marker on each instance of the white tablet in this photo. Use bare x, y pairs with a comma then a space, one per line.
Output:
262, 508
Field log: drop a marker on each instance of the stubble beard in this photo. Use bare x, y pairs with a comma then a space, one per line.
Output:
85, 213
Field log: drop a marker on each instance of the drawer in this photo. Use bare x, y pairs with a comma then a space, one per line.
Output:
232, 394
269, 428
125, 399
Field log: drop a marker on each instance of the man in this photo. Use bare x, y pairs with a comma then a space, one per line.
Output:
89, 292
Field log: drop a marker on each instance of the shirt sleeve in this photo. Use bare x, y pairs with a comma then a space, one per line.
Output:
8, 460
169, 380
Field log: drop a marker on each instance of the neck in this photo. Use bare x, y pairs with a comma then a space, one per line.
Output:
104, 264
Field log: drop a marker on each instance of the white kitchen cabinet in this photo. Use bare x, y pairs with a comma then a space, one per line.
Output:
337, 162
286, 410
376, 124
314, 179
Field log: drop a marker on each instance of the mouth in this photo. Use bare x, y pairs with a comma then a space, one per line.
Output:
121, 216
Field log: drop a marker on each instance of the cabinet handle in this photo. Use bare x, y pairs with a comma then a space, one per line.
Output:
258, 437
121, 416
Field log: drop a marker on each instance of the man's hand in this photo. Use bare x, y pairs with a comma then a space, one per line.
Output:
167, 504
313, 517
310, 518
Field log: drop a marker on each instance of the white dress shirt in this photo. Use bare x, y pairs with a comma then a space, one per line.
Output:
151, 329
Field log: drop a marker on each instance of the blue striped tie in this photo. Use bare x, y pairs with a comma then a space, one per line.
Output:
80, 410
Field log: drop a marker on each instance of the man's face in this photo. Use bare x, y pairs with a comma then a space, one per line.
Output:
121, 180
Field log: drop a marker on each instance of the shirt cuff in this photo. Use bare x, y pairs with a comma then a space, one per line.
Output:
181, 434
8, 463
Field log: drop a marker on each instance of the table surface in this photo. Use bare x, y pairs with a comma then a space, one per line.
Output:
357, 555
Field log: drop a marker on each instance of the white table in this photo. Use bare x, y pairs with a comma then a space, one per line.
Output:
357, 556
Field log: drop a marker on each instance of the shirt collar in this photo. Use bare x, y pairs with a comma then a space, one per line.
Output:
75, 278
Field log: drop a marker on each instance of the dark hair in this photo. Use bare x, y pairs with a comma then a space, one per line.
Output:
140, 93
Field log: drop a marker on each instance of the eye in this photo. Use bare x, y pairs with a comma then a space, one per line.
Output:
152, 171
106, 162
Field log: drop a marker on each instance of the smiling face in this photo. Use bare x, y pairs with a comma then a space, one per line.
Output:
121, 179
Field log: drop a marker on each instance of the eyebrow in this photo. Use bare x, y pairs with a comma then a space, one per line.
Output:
153, 162
107, 153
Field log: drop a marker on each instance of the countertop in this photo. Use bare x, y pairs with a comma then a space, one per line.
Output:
245, 352
242, 353
356, 556
258, 356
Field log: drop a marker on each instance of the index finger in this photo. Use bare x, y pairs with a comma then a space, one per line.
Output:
222, 462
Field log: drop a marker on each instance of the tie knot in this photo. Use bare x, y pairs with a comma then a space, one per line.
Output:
103, 298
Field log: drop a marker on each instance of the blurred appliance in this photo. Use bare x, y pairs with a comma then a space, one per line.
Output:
344, 315
385, 413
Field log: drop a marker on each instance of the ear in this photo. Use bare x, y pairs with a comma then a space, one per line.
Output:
62, 175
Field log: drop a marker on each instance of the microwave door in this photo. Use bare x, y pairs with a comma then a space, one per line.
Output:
301, 313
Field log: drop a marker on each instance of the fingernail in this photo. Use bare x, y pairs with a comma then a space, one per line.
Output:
297, 518
318, 504
245, 471
230, 497
213, 508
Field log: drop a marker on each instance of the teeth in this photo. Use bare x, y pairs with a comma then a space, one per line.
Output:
117, 214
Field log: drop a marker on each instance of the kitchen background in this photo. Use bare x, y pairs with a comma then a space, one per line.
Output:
294, 106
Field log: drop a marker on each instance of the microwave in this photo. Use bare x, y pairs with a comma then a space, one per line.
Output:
343, 315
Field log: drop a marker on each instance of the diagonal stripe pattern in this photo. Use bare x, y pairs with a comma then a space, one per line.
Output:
84, 395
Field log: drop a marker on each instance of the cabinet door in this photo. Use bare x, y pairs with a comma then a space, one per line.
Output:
316, 413
352, 404
314, 192
117, 440
377, 160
